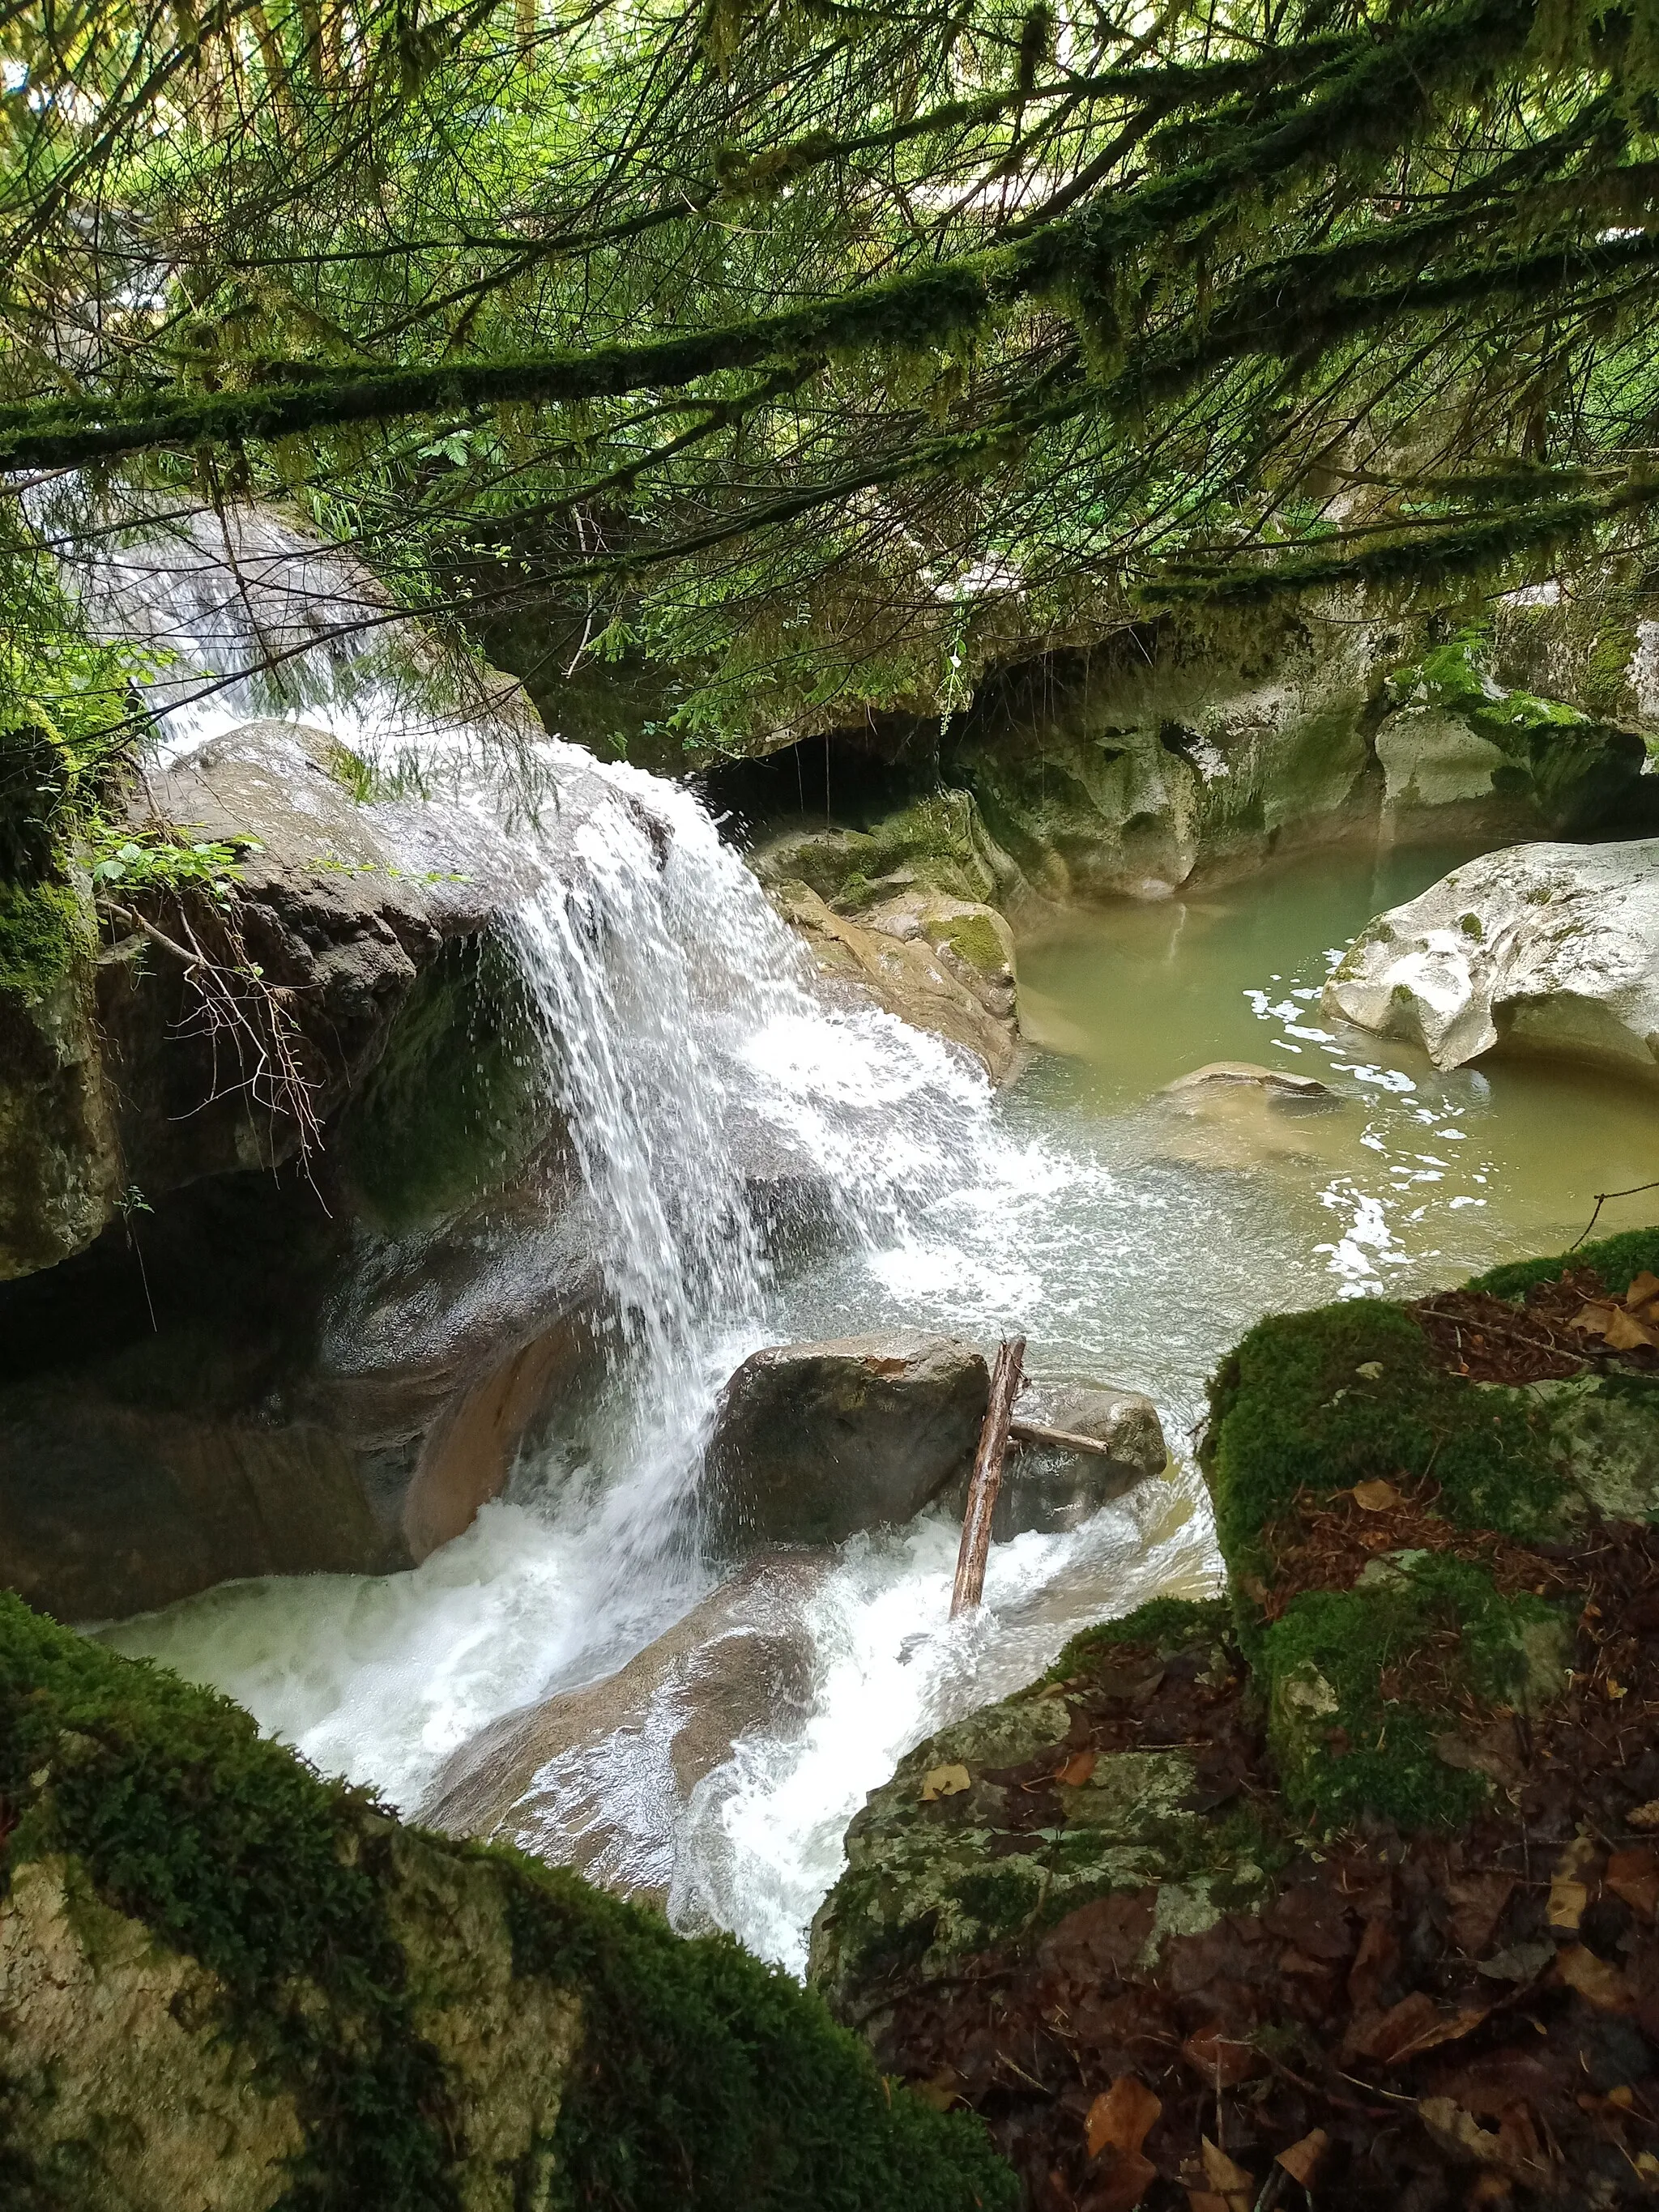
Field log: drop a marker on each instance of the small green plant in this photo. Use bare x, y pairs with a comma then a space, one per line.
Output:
164, 859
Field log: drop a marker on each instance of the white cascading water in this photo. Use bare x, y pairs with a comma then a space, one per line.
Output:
696, 1062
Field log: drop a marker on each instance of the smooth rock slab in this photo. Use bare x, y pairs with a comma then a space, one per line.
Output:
815, 1440
601, 1778
1550, 949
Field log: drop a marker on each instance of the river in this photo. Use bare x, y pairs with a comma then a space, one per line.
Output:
1131, 1242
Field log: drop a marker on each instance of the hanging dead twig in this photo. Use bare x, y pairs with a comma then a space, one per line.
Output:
1601, 1198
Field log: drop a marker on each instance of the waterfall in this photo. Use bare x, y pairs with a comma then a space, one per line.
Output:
706, 1080
714, 1088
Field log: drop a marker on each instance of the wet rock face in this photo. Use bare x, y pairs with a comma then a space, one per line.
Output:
601, 1778
1046, 1488
930, 985
1548, 948
814, 1441
326, 1369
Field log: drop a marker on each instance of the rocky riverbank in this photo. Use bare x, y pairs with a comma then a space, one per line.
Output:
1347, 1883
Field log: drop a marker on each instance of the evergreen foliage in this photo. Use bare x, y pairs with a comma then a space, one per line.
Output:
820, 354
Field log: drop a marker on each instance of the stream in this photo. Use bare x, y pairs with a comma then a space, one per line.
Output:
1132, 1238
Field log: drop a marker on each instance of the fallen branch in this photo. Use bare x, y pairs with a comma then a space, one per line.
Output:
986, 1478
1033, 1432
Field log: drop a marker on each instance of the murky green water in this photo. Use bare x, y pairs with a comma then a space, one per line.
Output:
1469, 1166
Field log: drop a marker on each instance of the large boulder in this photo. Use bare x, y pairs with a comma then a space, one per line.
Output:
225, 1984
600, 1778
233, 1371
1549, 949
933, 986
814, 1441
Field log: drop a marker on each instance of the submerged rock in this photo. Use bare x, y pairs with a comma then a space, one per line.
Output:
227, 1984
1549, 949
1277, 1083
600, 1778
814, 1441
1372, 1840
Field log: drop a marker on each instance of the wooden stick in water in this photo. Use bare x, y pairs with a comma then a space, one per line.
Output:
987, 1478
1032, 1432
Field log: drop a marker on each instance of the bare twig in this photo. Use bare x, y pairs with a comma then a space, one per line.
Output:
1601, 1198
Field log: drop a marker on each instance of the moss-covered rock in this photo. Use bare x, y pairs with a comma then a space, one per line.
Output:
61, 1172
1235, 1863
937, 843
995, 1828
228, 1984
1454, 736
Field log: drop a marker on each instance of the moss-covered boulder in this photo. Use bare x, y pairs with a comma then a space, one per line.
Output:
61, 1172
227, 1984
1454, 736
1351, 1877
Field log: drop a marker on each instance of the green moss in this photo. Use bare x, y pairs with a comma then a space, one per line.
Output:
1167, 1624
973, 938
1292, 1410
456, 1100
1343, 1745
1470, 924
43, 933
1617, 1260
705, 2080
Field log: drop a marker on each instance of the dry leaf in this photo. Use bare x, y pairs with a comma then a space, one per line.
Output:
1414, 2025
1458, 2131
1568, 1894
1122, 2117
1644, 1816
942, 2091
1603, 1985
1593, 1320
1301, 2160
1205, 2200
1220, 2059
1642, 1291
1647, 2166
1633, 1874
944, 1782
1377, 1496
1122, 2189
1626, 1333
1222, 2172
1077, 1769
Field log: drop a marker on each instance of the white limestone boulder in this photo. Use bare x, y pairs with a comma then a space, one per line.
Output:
1549, 949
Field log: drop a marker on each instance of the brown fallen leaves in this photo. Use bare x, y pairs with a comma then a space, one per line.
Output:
1436, 2023
1626, 1324
1115, 2128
